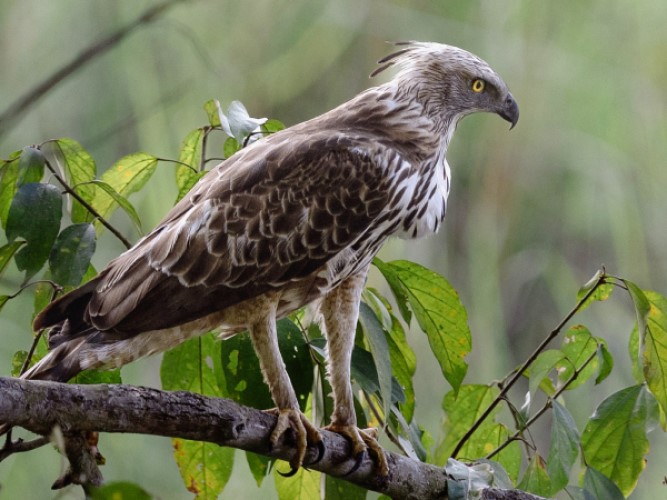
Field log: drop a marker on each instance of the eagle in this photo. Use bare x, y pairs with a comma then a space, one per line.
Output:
292, 220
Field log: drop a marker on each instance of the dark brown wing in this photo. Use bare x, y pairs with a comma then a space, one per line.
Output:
276, 212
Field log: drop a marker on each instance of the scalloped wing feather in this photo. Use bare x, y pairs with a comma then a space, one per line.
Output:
277, 212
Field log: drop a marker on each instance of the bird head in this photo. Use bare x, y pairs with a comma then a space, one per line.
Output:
450, 82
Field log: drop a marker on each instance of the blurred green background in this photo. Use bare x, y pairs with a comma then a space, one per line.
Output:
533, 213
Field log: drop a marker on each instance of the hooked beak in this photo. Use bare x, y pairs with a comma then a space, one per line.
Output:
510, 110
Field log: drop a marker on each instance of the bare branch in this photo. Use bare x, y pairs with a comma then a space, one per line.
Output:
39, 406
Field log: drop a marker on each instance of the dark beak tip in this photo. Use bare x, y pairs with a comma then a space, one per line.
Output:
510, 111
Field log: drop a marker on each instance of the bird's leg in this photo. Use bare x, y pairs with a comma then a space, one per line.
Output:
264, 337
340, 311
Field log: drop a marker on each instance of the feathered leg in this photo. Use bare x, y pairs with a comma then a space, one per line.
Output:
340, 311
264, 337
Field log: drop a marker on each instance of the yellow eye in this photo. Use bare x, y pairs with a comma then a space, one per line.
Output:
478, 85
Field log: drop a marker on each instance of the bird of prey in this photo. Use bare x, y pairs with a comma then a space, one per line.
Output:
293, 219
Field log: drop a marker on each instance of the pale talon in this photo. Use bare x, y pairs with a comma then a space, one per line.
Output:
304, 433
362, 441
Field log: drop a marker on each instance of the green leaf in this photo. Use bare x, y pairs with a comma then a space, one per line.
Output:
71, 253
403, 366
535, 479
380, 350
337, 489
600, 487
34, 216
212, 107
633, 351
364, 373
296, 355
18, 359
79, 169
461, 411
230, 147
7, 252
601, 293
191, 152
243, 378
127, 176
31, 166
400, 295
605, 361
564, 447
120, 490
272, 126
3, 300
242, 375
440, 315
542, 366
655, 348
122, 202
8, 184
304, 485
614, 441
259, 466
98, 377
578, 345
191, 366
642, 308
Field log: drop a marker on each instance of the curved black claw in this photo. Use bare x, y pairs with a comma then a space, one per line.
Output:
293, 470
357, 463
320, 453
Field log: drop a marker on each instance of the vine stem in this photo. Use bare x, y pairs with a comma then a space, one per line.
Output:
87, 205
599, 281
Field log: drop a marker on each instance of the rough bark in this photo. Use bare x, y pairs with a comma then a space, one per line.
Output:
40, 406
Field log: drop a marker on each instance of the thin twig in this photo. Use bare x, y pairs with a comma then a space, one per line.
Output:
527, 363
87, 205
21, 446
18, 108
546, 406
26, 362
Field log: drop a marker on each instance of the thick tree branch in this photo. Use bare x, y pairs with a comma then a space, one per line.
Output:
40, 406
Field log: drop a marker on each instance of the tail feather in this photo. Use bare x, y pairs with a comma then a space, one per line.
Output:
71, 307
60, 364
